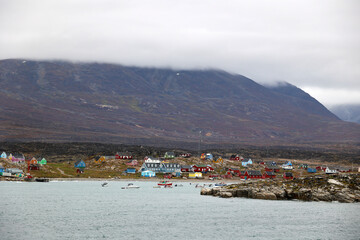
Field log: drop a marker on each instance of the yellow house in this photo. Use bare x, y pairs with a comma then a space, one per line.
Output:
195, 175
219, 160
100, 159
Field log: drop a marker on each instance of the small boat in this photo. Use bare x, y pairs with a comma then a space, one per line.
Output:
41, 179
165, 183
130, 186
178, 185
104, 184
221, 184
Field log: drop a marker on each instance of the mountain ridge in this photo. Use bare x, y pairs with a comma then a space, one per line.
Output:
107, 102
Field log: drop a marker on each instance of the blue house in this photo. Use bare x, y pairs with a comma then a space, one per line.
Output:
209, 156
130, 170
244, 163
287, 163
148, 173
80, 164
311, 170
1, 168
3, 155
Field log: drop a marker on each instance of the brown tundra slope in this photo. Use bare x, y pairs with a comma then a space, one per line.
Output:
63, 101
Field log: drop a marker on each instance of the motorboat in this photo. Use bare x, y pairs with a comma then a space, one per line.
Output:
165, 183
221, 184
130, 186
104, 184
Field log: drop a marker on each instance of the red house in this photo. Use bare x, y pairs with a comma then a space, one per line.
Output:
123, 155
250, 174
288, 175
236, 157
254, 174
269, 175
272, 169
202, 168
185, 155
234, 171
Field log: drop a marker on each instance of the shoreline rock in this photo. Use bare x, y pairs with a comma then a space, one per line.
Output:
344, 188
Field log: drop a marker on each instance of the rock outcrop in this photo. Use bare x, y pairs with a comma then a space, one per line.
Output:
342, 188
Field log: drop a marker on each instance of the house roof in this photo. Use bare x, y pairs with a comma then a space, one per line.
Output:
270, 173
288, 174
254, 173
156, 165
171, 165
186, 166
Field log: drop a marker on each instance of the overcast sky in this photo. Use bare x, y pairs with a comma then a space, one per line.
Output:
313, 44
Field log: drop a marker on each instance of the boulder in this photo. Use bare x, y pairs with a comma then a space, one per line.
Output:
344, 198
224, 194
333, 181
206, 191
265, 195
242, 192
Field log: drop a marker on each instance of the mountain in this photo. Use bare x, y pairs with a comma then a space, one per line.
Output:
63, 101
347, 112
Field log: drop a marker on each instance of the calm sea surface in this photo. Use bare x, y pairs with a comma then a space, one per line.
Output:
85, 210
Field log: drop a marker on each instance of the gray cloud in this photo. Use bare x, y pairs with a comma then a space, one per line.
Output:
311, 44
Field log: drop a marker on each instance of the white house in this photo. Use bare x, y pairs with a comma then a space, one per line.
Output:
330, 170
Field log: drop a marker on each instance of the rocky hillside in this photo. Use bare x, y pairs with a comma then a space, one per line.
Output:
343, 188
62, 101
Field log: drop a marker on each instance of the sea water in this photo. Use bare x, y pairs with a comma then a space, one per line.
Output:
85, 210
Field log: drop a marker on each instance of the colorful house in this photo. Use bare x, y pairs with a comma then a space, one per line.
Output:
269, 175
3, 155
33, 161
253, 174
148, 173
234, 171
123, 155
272, 169
311, 170
80, 165
288, 175
2, 169
185, 155
209, 156
236, 157
246, 162
42, 161
202, 168
170, 167
154, 167
100, 159
186, 168
169, 155
218, 160
195, 175
330, 170
17, 158
130, 170
303, 166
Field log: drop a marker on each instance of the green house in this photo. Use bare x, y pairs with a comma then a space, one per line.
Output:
169, 155
42, 161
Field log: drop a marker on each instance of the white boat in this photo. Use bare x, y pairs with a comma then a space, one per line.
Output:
130, 186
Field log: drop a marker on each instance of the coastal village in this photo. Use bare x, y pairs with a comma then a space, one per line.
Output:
124, 165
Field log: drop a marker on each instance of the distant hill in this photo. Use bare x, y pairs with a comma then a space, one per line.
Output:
347, 112
63, 101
